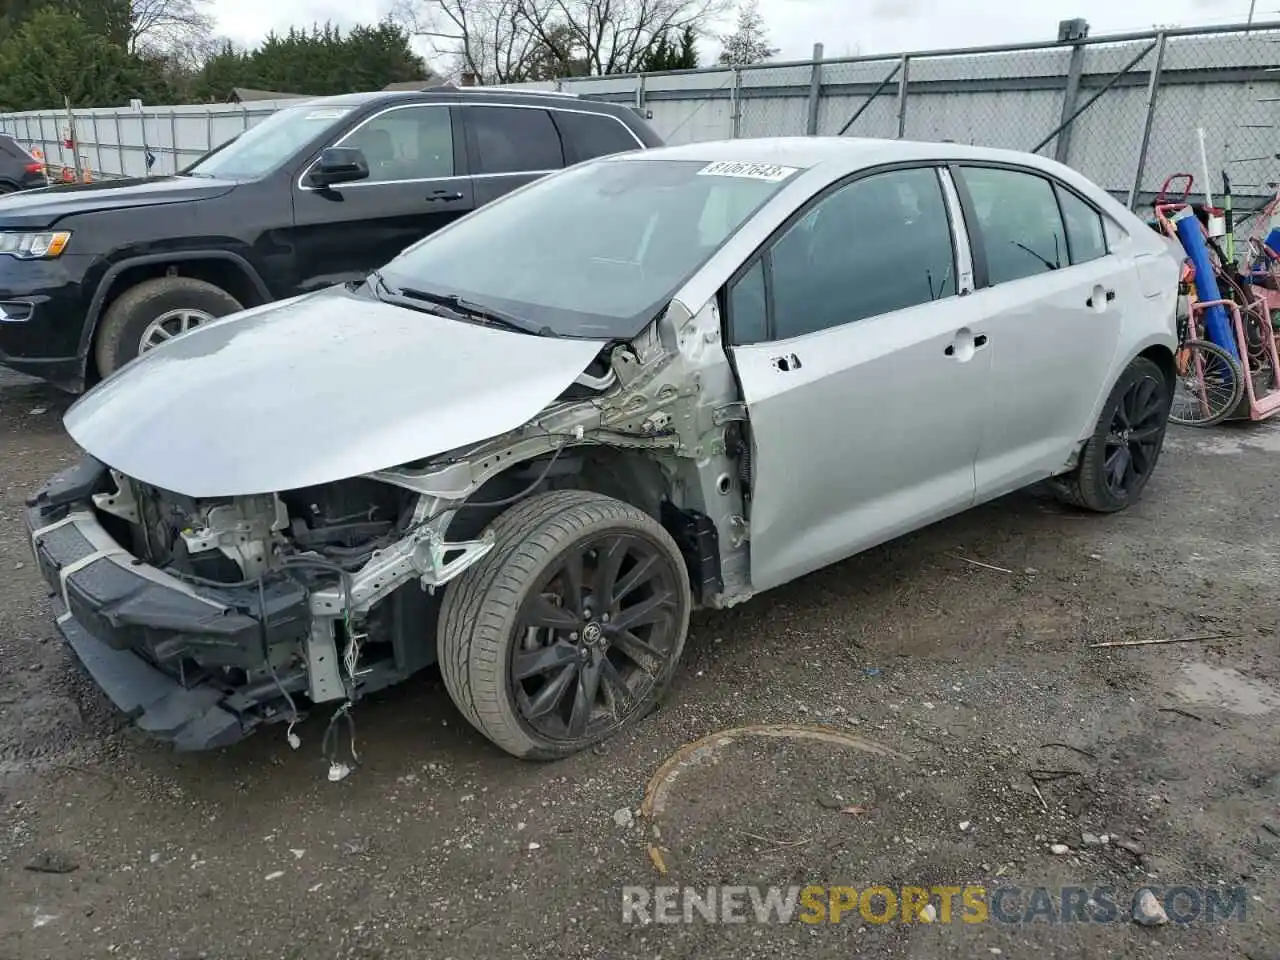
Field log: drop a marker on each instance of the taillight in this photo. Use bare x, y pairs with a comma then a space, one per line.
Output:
35, 168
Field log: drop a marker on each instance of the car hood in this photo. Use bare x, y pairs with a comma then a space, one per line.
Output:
44, 206
316, 389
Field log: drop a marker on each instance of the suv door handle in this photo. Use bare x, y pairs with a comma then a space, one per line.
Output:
1110, 295
442, 195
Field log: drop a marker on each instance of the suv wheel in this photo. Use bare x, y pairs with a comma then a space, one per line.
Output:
569, 629
1120, 457
153, 312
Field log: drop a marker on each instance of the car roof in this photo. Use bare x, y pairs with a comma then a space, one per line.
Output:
844, 152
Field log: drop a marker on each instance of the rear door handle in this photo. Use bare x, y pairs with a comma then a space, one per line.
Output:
441, 195
979, 341
1110, 295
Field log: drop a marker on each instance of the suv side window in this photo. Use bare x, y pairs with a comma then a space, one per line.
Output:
410, 143
878, 244
1084, 227
590, 135
1019, 226
513, 140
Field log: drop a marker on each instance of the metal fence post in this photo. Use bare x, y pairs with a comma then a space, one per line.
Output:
735, 94
640, 94
1062, 149
208, 129
115, 115
815, 90
902, 97
1153, 90
173, 137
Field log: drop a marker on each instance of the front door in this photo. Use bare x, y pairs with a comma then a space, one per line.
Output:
1052, 297
417, 183
509, 146
863, 372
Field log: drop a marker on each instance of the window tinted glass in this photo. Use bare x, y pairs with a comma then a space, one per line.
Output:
592, 135
1084, 228
1018, 218
747, 307
876, 245
514, 139
409, 144
595, 251
267, 144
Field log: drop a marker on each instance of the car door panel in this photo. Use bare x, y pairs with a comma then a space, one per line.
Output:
865, 423
872, 435
347, 231
1054, 324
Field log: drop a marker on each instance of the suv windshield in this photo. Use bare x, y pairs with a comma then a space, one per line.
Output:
266, 145
593, 252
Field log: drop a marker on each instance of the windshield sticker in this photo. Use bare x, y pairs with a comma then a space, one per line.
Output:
330, 114
751, 171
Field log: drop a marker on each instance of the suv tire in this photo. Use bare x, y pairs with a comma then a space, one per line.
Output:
484, 624
1119, 445
128, 318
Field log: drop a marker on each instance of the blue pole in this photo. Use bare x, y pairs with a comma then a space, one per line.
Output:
1217, 324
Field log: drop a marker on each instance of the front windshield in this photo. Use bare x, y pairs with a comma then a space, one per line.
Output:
594, 252
266, 145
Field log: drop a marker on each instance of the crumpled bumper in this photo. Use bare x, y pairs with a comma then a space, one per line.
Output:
156, 644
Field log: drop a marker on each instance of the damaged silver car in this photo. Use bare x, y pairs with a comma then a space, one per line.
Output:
529, 446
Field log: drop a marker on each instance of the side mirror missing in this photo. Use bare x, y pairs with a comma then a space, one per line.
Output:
339, 165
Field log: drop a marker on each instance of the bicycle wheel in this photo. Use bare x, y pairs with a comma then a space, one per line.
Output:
1209, 384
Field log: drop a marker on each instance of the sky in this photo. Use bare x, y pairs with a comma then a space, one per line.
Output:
844, 27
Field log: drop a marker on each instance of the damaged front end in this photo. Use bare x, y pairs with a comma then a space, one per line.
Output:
205, 618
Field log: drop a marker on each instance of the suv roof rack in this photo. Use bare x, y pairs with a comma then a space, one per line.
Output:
550, 93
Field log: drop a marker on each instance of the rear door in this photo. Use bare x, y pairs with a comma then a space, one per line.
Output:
864, 382
417, 183
509, 146
1051, 296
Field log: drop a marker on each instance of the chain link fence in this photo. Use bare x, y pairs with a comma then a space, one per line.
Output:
1127, 111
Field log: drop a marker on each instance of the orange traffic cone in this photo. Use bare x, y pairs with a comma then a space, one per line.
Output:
68, 175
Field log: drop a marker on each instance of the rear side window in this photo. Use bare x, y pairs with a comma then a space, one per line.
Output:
1084, 228
11, 148
513, 140
1021, 229
589, 135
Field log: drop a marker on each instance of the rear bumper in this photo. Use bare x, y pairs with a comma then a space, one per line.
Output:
178, 659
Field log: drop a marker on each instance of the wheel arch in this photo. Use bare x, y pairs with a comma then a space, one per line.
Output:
223, 268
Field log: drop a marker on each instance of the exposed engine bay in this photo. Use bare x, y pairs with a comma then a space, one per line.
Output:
344, 577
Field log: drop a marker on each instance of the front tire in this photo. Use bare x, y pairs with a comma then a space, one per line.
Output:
154, 311
569, 629
1120, 456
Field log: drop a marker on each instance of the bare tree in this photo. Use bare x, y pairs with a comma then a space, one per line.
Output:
749, 43
512, 40
179, 28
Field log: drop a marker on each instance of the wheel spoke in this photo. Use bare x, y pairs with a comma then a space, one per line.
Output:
650, 610
616, 687
585, 699
1146, 435
645, 569
541, 612
637, 651
609, 558
546, 699
533, 663
572, 578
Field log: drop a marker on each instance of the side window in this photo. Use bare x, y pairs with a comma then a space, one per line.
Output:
874, 246
1084, 227
589, 135
748, 307
513, 140
1021, 229
414, 143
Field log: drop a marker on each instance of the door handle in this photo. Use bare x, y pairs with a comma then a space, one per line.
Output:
978, 341
441, 195
1110, 295
786, 364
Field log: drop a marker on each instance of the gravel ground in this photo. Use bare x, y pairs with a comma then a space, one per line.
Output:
960, 675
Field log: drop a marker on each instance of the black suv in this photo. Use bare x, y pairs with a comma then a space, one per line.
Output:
18, 169
316, 194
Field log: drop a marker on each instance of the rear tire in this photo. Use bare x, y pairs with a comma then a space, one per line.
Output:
128, 319
544, 675
1120, 456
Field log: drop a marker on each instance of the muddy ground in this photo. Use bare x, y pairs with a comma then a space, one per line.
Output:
440, 846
